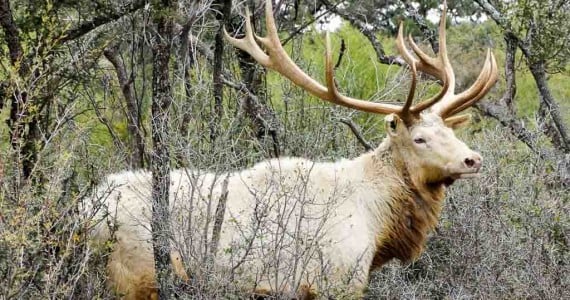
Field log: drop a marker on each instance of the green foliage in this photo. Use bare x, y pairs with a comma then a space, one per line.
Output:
545, 26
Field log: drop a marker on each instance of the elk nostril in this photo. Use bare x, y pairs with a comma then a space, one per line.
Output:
469, 162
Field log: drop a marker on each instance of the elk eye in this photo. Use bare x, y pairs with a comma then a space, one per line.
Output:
419, 141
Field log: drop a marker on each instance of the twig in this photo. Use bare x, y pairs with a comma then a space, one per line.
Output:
356, 131
302, 27
341, 53
422, 24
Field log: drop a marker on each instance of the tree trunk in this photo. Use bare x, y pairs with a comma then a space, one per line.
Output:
22, 123
510, 72
160, 161
504, 112
184, 66
555, 129
261, 116
223, 8
11, 35
136, 138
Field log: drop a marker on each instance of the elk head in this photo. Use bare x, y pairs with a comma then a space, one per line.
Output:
421, 134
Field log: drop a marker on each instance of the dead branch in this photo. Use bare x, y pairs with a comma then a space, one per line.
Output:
356, 131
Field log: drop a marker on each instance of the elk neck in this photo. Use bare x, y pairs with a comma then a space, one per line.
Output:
409, 213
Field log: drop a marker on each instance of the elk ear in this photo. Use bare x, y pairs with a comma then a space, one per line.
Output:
393, 124
457, 121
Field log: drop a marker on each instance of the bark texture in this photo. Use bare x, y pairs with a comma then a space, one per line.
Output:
160, 160
133, 112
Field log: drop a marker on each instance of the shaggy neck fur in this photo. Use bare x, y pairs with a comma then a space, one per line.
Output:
412, 210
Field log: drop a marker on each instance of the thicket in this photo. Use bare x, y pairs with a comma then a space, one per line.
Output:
504, 235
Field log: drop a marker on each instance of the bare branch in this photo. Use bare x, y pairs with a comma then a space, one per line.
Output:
108, 17
240, 87
304, 26
426, 30
369, 34
354, 128
340, 54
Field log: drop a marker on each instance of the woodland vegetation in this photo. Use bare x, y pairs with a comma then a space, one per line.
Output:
91, 88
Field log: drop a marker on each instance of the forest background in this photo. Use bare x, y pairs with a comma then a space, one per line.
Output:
90, 88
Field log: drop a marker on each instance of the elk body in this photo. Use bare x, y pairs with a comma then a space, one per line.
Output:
291, 225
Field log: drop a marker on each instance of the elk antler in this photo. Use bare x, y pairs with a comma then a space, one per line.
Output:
446, 103
277, 59
452, 103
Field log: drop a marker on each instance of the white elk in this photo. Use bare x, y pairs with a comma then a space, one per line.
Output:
295, 226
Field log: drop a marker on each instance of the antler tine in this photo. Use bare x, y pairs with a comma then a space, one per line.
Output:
438, 67
248, 43
443, 65
329, 70
451, 103
428, 64
425, 63
486, 79
338, 98
416, 109
472, 91
400, 44
411, 93
472, 95
277, 59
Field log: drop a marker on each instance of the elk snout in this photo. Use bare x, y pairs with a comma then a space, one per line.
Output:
474, 161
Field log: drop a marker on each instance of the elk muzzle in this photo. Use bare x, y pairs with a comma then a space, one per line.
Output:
468, 167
